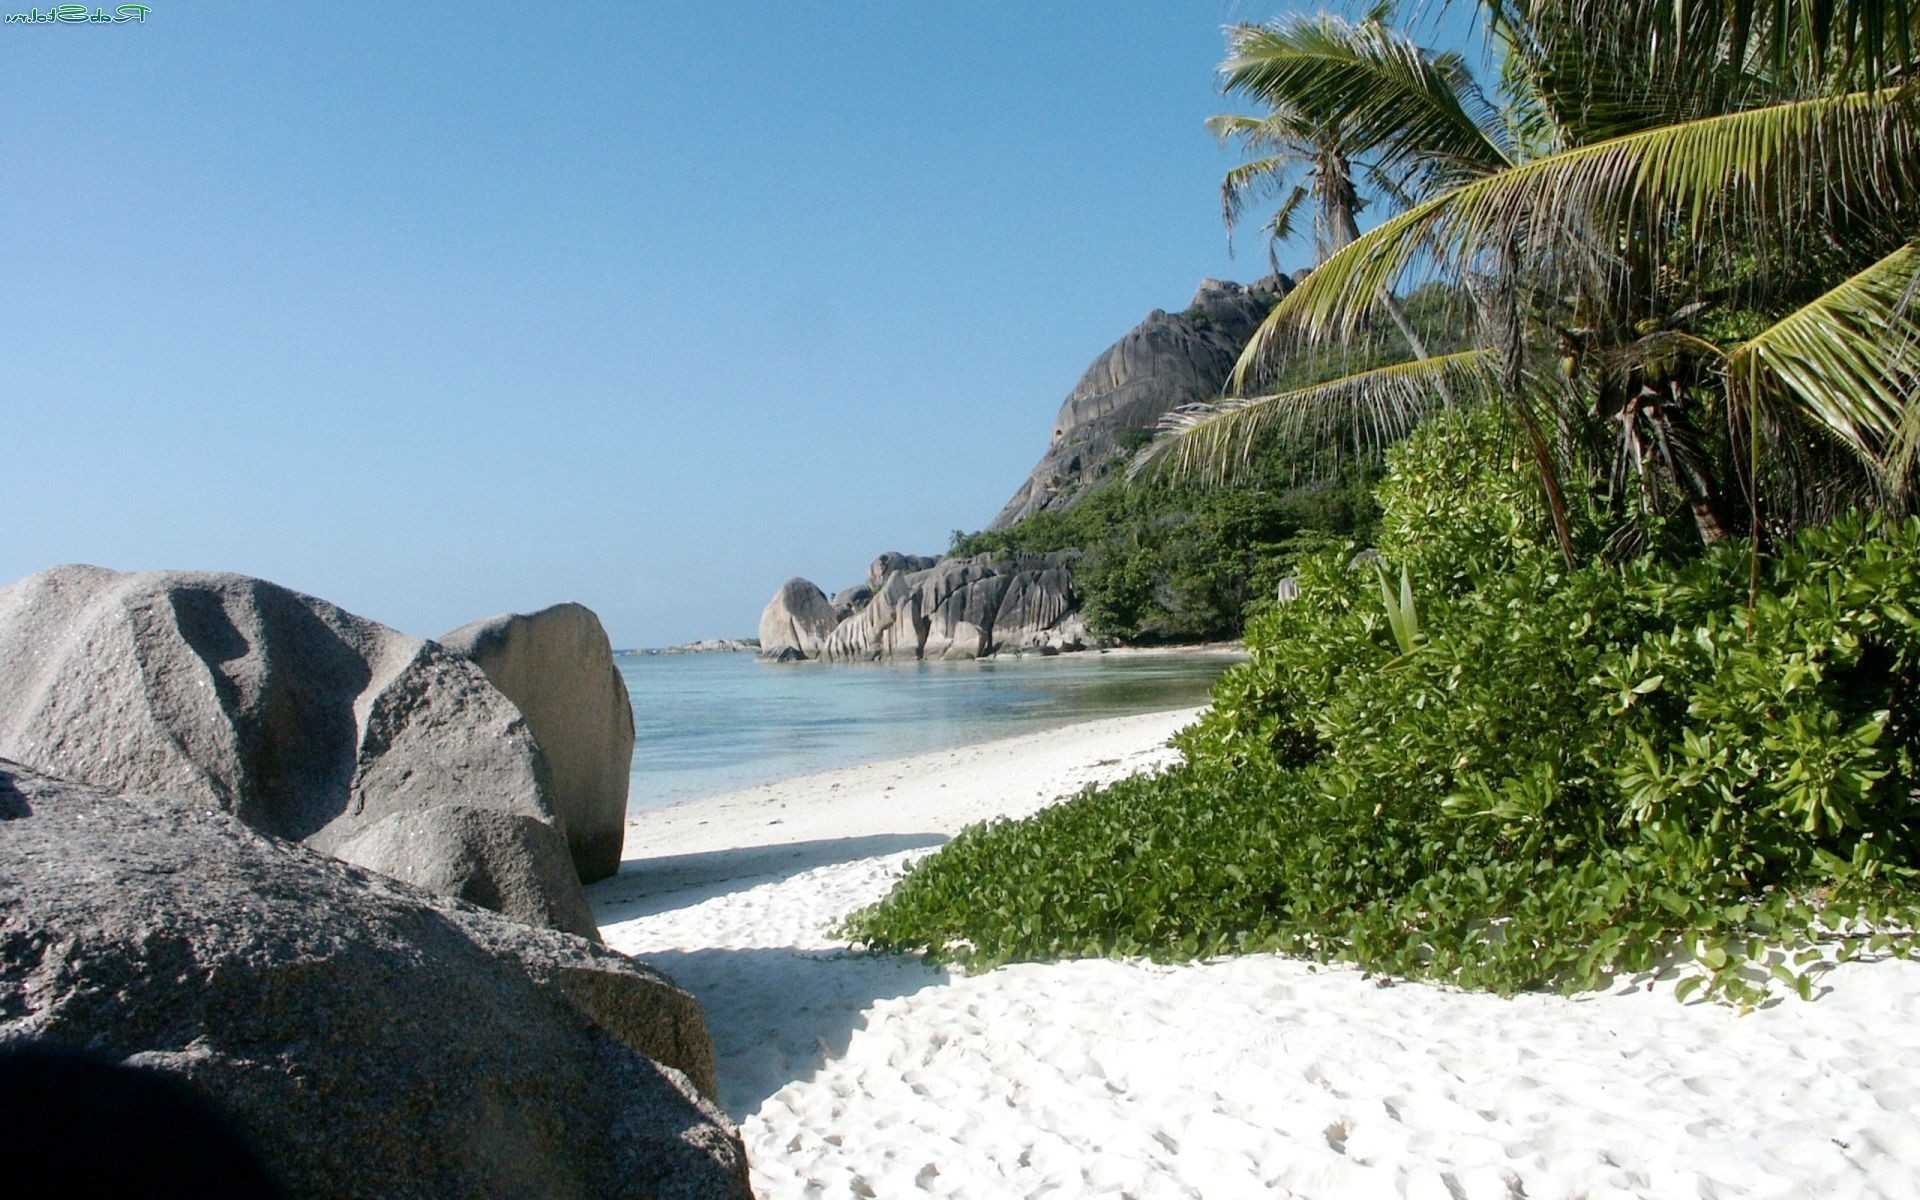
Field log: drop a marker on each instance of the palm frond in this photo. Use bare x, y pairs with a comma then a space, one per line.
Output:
1394, 96
1847, 361
1279, 226
1250, 183
1873, 37
1779, 169
1213, 442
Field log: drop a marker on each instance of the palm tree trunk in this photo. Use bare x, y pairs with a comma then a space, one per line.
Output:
1343, 228
1687, 468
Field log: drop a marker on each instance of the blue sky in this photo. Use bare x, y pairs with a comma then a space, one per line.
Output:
437, 311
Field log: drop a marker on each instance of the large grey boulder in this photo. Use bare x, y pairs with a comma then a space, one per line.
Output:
1167, 361
304, 721
368, 1038
511, 863
557, 667
798, 618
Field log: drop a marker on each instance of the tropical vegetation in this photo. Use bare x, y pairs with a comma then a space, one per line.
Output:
1635, 674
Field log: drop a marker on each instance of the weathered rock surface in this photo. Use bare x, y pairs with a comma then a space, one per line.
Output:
893, 562
798, 618
368, 1038
955, 608
848, 601
557, 667
304, 721
1166, 361
509, 862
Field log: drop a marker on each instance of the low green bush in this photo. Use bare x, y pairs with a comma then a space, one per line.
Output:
1570, 774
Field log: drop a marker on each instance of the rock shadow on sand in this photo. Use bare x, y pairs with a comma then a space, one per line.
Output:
646, 886
777, 1015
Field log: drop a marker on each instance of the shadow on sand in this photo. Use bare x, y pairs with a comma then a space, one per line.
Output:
777, 1015
646, 886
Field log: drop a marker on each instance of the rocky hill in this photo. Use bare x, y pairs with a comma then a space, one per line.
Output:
983, 604
1167, 360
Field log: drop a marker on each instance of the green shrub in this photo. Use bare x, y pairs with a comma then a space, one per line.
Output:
1183, 563
1574, 773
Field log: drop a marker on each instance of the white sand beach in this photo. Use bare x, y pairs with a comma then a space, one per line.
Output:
867, 1075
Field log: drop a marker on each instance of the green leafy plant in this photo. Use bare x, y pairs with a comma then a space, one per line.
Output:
1403, 619
1579, 773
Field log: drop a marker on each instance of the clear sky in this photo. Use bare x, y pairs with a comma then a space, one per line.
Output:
441, 310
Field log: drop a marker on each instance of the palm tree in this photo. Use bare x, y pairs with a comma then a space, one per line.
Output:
1344, 99
1707, 258
1340, 95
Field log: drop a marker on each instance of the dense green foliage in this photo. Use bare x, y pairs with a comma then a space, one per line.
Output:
1637, 674
1181, 563
1573, 772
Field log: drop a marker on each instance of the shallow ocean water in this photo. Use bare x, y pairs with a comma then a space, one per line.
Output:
712, 723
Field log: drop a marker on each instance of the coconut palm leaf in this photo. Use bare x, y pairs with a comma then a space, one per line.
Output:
1784, 168
1395, 97
1213, 442
1252, 182
1279, 226
1847, 360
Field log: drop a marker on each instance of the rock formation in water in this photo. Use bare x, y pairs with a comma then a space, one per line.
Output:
556, 666
302, 720
367, 1038
914, 607
797, 621
703, 646
1168, 360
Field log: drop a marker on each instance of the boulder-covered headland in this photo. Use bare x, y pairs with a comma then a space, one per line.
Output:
913, 607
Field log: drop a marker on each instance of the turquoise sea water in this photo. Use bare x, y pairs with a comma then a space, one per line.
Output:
711, 723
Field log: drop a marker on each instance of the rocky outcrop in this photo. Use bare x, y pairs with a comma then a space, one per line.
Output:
1168, 360
300, 719
892, 562
366, 1037
917, 607
556, 666
703, 646
799, 618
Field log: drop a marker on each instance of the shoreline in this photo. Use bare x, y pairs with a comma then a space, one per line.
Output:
862, 1074
850, 714
929, 796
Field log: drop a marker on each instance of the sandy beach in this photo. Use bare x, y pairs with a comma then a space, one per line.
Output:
865, 1075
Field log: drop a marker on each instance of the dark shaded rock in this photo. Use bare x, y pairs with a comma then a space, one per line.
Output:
799, 617
513, 864
556, 666
304, 721
848, 601
1168, 360
367, 1038
79, 1127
